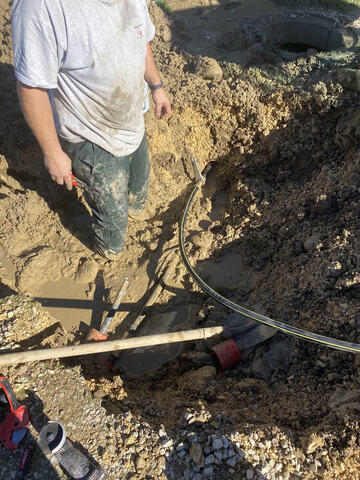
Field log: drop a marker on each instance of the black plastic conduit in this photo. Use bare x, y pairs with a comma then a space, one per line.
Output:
282, 327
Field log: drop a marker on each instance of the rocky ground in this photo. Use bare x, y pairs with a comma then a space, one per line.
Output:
274, 229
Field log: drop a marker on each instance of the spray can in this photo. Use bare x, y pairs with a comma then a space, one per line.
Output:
53, 438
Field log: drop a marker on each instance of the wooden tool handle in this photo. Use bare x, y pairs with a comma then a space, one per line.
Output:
109, 346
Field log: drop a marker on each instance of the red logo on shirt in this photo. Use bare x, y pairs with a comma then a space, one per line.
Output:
139, 31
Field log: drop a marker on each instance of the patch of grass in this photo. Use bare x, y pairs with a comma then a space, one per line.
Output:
164, 5
341, 5
231, 69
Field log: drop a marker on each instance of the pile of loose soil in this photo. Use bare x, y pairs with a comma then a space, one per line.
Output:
275, 229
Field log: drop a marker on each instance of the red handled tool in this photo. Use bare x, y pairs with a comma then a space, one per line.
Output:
14, 417
78, 183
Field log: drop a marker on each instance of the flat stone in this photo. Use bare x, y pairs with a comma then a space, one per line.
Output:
231, 462
140, 463
196, 453
209, 459
208, 470
219, 455
249, 474
167, 443
217, 444
225, 441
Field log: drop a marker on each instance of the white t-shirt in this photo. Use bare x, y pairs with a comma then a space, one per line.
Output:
90, 55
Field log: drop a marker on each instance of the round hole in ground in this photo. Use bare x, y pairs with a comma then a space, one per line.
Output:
298, 36
297, 47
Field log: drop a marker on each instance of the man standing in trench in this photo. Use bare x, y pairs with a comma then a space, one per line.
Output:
81, 68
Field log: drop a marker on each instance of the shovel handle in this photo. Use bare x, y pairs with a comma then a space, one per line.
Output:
156, 292
109, 346
115, 306
120, 294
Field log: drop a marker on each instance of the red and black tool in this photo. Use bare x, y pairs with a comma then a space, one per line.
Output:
14, 417
25, 462
78, 183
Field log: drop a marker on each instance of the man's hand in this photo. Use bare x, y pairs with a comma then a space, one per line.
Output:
152, 77
162, 103
59, 168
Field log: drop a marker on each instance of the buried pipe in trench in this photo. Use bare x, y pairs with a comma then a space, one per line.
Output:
183, 336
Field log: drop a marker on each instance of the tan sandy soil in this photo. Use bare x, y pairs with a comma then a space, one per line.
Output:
278, 219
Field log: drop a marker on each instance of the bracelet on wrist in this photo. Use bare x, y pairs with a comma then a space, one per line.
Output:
156, 87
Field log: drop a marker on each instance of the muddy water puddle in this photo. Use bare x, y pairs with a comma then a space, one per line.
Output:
73, 303
69, 302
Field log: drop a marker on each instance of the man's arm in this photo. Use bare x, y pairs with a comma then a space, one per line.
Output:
37, 110
152, 77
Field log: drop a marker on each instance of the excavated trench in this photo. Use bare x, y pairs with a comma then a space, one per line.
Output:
275, 229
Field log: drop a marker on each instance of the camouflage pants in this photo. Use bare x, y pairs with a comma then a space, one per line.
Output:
120, 183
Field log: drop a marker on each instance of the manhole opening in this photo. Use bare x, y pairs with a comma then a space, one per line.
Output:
298, 47
297, 37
